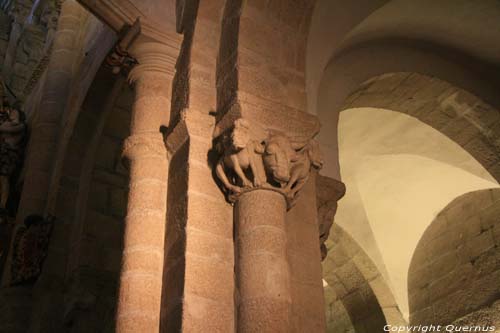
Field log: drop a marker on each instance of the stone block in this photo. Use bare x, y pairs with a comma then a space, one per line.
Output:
383, 293
365, 266
205, 315
304, 268
480, 244
208, 245
490, 216
350, 276
445, 262
210, 214
263, 275
483, 151
309, 306
355, 305
209, 278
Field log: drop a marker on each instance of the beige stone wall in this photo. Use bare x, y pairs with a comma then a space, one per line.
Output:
464, 118
456, 266
357, 297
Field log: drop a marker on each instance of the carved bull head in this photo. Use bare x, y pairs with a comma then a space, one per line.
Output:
278, 156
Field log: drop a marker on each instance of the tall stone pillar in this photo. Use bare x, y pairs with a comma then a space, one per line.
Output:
262, 272
45, 130
263, 171
142, 264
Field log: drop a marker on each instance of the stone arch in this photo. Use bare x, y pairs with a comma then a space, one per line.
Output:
356, 288
93, 195
455, 268
459, 115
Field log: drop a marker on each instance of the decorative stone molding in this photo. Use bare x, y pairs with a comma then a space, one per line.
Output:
117, 13
153, 57
328, 192
252, 157
30, 42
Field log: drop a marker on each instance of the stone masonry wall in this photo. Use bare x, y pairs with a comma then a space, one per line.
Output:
357, 299
461, 116
455, 269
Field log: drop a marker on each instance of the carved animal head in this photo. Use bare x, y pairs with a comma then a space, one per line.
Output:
278, 156
314, 154
240, 135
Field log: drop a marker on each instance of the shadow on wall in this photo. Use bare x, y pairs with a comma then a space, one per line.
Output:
94, 194
357, 298
455, 270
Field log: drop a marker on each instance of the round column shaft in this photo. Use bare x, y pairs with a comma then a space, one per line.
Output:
142, 264
262, 271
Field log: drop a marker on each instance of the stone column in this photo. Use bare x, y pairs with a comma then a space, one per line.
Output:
262, 273
45, 130
262, 172
142, 264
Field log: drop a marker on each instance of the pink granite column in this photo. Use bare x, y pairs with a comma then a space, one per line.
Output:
262, 272
142, 263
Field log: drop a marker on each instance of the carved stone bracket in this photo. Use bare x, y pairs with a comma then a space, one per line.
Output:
252, 157
328, 192
119, 58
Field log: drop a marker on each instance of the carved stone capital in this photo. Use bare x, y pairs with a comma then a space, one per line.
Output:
328, 192
154, 58
252, 157
144, 146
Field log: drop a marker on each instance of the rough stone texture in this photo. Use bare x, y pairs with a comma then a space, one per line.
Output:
304, 258
142, 263
357, 297
456, 266
462, 117
486, 317
262, 272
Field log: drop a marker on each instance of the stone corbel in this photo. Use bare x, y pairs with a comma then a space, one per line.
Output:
119, 58
328, 192
253, 157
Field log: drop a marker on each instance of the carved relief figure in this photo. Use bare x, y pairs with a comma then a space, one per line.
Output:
253, 157
278, 156
12, 132
241, 153
308, 157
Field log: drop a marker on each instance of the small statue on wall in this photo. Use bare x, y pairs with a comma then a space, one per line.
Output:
251, 157
12, 135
